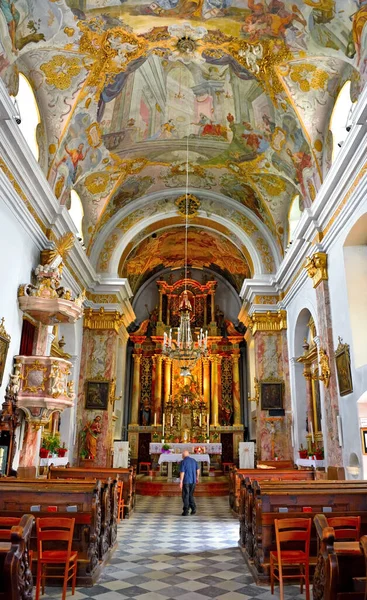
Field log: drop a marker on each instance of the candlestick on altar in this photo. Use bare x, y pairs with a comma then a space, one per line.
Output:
155, 419
207, 425
311, 432
200, 420
163, 419
171, 420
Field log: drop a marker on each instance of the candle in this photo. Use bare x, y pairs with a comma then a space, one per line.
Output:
163, 419
155, 419
311, 431
200, 419
171, 419
207, 425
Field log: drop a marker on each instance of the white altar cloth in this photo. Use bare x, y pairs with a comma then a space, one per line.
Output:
155, 448
55, 461
171, 458
310, 462
120, 455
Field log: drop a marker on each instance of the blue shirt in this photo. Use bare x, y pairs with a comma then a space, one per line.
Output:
189, 466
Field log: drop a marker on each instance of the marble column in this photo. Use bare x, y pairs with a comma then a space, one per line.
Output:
331, 397
309, 404
317, 269
158, 387
215, 361
167, 380
236, 389
135, 401
206, 382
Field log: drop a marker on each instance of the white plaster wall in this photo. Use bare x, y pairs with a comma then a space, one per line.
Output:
355, 263
18, 256
341, 317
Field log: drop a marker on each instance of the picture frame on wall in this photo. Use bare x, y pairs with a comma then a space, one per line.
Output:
343, 368
364, 439
97, 394
4, 347
271, 395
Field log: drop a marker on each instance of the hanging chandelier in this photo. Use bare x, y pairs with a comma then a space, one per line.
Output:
183, 349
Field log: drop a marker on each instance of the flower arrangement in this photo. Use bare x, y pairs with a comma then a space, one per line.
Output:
50, 445
303, 452
166, 448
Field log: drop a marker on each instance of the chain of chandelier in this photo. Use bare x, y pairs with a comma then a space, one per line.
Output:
184, 349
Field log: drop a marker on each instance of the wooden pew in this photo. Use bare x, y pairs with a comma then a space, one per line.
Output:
340, 568
236, 476
17, 497
128, 476
16, 582
345, 497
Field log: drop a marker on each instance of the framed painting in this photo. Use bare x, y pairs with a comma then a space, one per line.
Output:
271, 395
343, 370
97, 394
4, 347
364, 439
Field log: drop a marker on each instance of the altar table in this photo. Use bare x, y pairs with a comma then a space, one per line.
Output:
211, 448
171, 458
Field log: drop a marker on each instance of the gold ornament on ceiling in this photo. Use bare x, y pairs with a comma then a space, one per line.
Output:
60, 70
192, 203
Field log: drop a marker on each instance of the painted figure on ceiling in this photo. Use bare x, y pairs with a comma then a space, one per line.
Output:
274, 20
199, 9
72, 159
12, 19
359, 19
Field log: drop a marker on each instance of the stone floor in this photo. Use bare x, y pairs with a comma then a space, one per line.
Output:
162, 555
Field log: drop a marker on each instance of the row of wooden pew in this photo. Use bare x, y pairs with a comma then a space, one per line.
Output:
89, 496
261, 502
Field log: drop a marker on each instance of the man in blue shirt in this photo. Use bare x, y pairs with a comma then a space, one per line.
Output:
189, 477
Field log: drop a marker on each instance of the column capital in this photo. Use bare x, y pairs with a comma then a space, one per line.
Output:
102, 319
159, 358
267, 321
235, 358
166, 359
316, 267
137, 358
215, 358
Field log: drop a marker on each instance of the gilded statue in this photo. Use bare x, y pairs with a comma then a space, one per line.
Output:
325, 367
89, 436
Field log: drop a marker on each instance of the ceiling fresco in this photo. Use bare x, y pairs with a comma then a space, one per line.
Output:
167, 250
138, 98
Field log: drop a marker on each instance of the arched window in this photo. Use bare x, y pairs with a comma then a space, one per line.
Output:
29, 114
76, 212
294, 215
340, 118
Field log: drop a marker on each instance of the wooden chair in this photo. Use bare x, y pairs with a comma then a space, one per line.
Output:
146, 466
291, 530
227, 466
345, 528
53, 530
120, 500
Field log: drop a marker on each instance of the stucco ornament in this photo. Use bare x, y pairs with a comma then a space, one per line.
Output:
187, 43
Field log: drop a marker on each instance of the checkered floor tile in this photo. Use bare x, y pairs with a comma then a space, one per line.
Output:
162, 556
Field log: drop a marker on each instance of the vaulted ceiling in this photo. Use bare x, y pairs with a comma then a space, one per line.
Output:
139, 100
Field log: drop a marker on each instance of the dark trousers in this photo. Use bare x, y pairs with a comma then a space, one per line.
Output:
188, 497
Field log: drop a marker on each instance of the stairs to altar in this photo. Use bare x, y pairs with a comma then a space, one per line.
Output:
216, 484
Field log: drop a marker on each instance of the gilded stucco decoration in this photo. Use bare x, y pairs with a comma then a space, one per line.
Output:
246, 87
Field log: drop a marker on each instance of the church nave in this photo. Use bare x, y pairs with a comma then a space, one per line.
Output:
162, 555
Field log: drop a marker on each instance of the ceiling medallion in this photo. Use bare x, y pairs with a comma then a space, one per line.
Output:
188, 206
186, 45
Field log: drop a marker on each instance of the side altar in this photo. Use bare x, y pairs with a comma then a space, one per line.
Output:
206, 405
